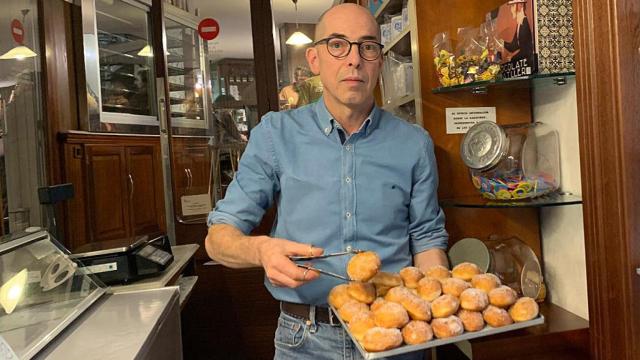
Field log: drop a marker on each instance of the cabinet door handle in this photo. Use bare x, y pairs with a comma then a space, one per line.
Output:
190, 178
186, 173
131, 190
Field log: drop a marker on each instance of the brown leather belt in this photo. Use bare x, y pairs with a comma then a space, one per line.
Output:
302, 311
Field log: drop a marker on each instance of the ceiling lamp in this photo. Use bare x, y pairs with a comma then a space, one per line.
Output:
21, 51
297, 38
146, 51
11, 291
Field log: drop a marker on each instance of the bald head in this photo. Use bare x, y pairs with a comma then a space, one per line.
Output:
344, 12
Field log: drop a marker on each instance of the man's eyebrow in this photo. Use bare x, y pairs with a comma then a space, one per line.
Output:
365, 37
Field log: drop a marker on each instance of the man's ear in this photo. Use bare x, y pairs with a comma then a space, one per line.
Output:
312, 58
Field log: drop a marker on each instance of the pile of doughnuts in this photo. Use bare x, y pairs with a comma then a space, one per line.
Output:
385, 310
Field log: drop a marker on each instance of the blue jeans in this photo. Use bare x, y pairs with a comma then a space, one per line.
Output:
297, 339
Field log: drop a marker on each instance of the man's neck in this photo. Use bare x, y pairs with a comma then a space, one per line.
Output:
350, 118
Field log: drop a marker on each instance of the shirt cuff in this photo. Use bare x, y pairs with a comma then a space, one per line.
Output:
434, 241
217, 217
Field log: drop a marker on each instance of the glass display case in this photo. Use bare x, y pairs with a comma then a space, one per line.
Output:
120, 72
41, 292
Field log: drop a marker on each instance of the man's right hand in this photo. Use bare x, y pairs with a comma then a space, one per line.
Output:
274, 256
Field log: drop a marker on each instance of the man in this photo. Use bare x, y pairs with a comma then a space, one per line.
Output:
521, 46
290, 94
344, 175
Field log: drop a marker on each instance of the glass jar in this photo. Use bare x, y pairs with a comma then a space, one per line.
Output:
512, 162
509, 258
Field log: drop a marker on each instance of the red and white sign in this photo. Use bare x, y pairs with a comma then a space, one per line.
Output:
17, 31
208, 29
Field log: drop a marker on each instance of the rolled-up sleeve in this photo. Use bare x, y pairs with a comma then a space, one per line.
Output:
426, 218
254, 186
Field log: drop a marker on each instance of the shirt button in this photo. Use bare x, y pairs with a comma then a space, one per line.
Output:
348, 180
327, 131
348, 147
348, 214
348, 248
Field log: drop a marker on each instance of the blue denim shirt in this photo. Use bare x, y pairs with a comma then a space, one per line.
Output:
376, 191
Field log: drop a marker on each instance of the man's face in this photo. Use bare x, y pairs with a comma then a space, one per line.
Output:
350, 80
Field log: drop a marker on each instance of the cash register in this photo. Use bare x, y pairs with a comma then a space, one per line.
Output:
123, 261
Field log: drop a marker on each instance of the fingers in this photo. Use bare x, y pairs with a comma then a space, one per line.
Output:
280, 279
301, 249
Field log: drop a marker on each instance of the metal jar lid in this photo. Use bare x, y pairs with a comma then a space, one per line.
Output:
470, 250
484, 145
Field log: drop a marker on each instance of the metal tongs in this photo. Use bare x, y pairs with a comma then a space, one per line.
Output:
324, 256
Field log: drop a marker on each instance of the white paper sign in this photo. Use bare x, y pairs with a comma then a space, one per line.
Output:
195, 204
460, 119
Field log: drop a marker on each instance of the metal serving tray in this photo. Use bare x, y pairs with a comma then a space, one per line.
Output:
403, 349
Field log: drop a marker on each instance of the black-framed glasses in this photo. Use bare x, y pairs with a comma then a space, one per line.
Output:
340, 48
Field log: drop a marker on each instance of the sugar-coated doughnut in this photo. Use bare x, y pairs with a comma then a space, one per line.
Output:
474, 299
381, 339
410, 276
352, 308
429, 288
417, 332
377, 303
397, 294
454, 286
339, 295
496, 316
363, 266
384, 281
437, 272
417, 307
465, 271
447, 327
485, 282
360, 323
445, 305
524, 309
391, 315
502, 296
361, 291
472, 320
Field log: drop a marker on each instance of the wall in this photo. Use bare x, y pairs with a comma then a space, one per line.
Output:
562, 227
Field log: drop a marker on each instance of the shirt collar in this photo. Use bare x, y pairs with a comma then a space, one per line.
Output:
328, 123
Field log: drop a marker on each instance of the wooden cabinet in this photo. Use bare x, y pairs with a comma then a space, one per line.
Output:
191, 171
118, 187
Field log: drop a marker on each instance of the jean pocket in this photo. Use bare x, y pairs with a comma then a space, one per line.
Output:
290, 333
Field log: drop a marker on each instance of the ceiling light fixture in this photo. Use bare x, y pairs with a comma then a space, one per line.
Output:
19, 52
297, 38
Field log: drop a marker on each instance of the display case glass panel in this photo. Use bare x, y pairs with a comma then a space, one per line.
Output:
41, 292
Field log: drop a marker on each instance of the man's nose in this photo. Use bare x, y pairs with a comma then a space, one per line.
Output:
354, 58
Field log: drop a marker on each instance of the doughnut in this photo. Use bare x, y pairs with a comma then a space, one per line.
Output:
417, 332
524, 309
363, 266
397, 294
363, 292
352, 308
360, 323
381, 339
377, 303
454, 286
447, 327
472, 320
437, 272
474, 299
485, 282
465, 271
445, 305
338, 296
502, 296
410, 276
384, 281
429, 288
390, 315
496, 316
418, 308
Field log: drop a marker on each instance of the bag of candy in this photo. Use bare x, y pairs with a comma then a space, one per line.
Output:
468, 54
444, 59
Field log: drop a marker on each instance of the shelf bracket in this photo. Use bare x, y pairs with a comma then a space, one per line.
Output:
479, 90
561, 80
